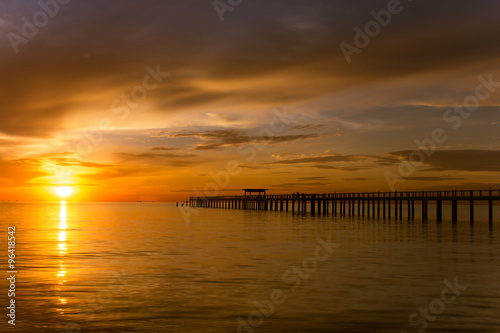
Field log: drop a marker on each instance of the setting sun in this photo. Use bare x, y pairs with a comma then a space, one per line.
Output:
63, 191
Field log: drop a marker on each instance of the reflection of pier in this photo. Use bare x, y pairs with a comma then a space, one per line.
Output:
386, 205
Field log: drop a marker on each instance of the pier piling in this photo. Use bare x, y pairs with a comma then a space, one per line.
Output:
378, 204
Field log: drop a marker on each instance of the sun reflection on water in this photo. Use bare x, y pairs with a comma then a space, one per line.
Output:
61, 274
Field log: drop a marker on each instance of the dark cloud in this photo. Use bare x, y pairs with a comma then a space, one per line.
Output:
164, 148
91, 47
460, 160
156, 156
253, 167
340, 168
297, 185
318, 178
221, 190
66, 161
216, 139
385, 160
308, 126
322, 159
433, 179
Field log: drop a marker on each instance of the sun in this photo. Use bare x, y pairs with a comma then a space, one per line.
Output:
63, 191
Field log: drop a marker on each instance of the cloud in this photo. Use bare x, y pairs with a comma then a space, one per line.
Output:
156, 156
459, 160
340, 168
387, 160
318, 178
164, 148
220, 190
297, 185
253, 167
61, 160
113, 174
228, 75
20, 172
433, 179
216, 139
262, 55
70, 162
321, 159
308, 126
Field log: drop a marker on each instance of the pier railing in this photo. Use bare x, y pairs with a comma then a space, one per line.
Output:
374, 204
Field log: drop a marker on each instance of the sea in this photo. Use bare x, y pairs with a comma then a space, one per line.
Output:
154, 267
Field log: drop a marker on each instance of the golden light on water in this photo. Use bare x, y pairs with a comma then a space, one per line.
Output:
61, 274
62, 216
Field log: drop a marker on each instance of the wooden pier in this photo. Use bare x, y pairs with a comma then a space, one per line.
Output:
380, 205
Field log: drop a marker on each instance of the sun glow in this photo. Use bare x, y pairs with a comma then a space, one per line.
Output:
63, 191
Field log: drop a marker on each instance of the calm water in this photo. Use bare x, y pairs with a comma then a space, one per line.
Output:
139, 267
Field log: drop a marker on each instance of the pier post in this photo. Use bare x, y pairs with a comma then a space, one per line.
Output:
363, 205
439, 210
401, 207
408, 203
373, 206
359, 204
490, 208
424, 210
349, 205
378, 207
389, 207
413, 210
304, 203
384, 208
454, 210
471, 206
396, 205
490, 211
368, 206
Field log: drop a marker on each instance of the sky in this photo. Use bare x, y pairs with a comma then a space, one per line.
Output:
159, 100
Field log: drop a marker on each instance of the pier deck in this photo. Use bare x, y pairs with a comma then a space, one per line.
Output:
386, 205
